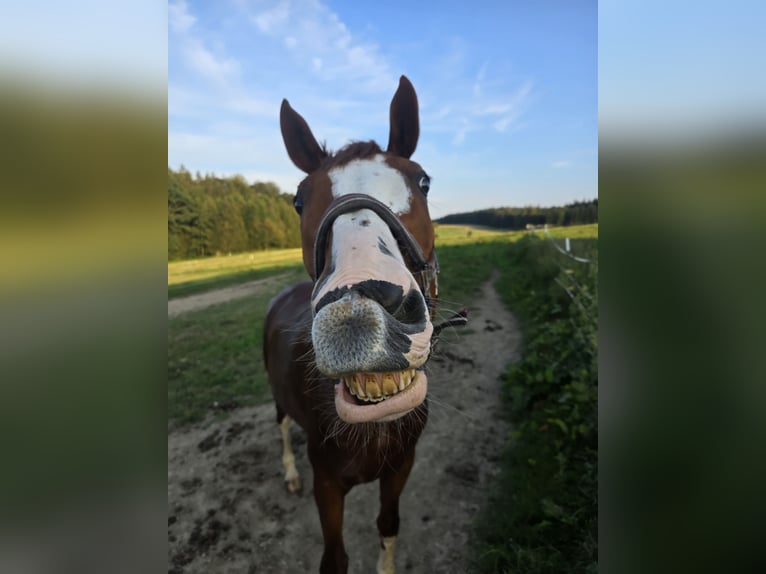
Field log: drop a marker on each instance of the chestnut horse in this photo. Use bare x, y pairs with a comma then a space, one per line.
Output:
346, 351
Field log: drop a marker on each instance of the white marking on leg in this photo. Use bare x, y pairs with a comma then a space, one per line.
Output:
386, 558
375, 178
288, 458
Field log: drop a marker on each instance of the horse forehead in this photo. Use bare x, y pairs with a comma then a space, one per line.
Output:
374, 177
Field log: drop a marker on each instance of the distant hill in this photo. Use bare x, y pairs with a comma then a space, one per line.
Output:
577, 213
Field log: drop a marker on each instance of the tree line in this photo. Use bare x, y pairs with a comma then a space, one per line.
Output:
577, 213
209, 215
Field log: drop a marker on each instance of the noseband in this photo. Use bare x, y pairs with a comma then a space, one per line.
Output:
425, 271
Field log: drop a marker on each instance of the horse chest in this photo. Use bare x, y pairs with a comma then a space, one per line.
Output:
362, 455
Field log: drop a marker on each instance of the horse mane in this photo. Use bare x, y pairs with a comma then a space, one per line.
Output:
350, 152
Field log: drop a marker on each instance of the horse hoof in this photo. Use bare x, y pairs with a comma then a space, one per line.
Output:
293, 484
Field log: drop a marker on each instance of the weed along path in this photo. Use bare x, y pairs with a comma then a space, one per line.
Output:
229, 512
199, 301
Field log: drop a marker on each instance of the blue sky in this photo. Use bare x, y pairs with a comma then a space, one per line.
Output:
507, 90
683, 69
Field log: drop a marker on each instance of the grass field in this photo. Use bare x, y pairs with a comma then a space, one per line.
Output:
462, 234
540, 516
211, 373
196, 275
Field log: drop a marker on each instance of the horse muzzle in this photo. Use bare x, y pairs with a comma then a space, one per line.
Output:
372, 328
355, 334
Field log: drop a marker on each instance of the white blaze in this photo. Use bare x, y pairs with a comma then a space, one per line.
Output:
375, 178
357, 236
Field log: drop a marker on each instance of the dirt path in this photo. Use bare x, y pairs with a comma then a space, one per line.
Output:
228, 511
208, 298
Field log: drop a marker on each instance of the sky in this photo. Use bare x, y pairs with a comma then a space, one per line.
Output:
507, 90
680, 69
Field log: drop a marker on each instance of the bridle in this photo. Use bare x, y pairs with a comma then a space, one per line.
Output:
425, 271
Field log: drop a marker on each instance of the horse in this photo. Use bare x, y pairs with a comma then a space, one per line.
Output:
346, 350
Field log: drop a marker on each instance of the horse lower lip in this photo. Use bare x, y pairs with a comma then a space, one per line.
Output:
350, 411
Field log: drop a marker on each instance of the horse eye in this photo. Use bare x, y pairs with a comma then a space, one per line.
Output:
424, 183
298, 204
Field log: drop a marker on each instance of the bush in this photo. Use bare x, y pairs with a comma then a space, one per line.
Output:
541, 515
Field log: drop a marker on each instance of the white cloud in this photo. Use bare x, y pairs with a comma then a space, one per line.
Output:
205, 63
273, 18
502, 124
479, 101
561, 163
511, 110
462, 130
250, 106
179, 18
324, 46
479, 79
185, 103
440, 114
494, 109
196, 55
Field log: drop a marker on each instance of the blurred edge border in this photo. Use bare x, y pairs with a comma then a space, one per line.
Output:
83, 239
681, 374
83, 296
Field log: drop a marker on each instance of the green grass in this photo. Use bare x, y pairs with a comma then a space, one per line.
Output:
541, 514
214, 355
588, 231
447, 234
197, 275
215, 358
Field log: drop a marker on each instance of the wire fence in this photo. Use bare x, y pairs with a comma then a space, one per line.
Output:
566, 251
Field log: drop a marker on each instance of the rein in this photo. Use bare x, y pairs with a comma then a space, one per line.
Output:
425, 271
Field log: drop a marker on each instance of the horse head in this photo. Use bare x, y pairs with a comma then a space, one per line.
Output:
368, 245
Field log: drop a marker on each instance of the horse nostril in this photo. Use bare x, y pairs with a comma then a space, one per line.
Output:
412, 309
387, 295
408, 309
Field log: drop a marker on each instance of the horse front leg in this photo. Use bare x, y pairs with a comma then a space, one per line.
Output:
292, 479
329, 494
391, 487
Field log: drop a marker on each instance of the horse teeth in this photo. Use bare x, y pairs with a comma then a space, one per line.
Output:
375, 387
354, 386
389, 384
405, 380
372, 386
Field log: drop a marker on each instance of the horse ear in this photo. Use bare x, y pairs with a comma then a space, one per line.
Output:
405, 125
302, 146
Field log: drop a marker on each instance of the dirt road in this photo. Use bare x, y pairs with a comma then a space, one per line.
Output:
229, 512
208, 298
